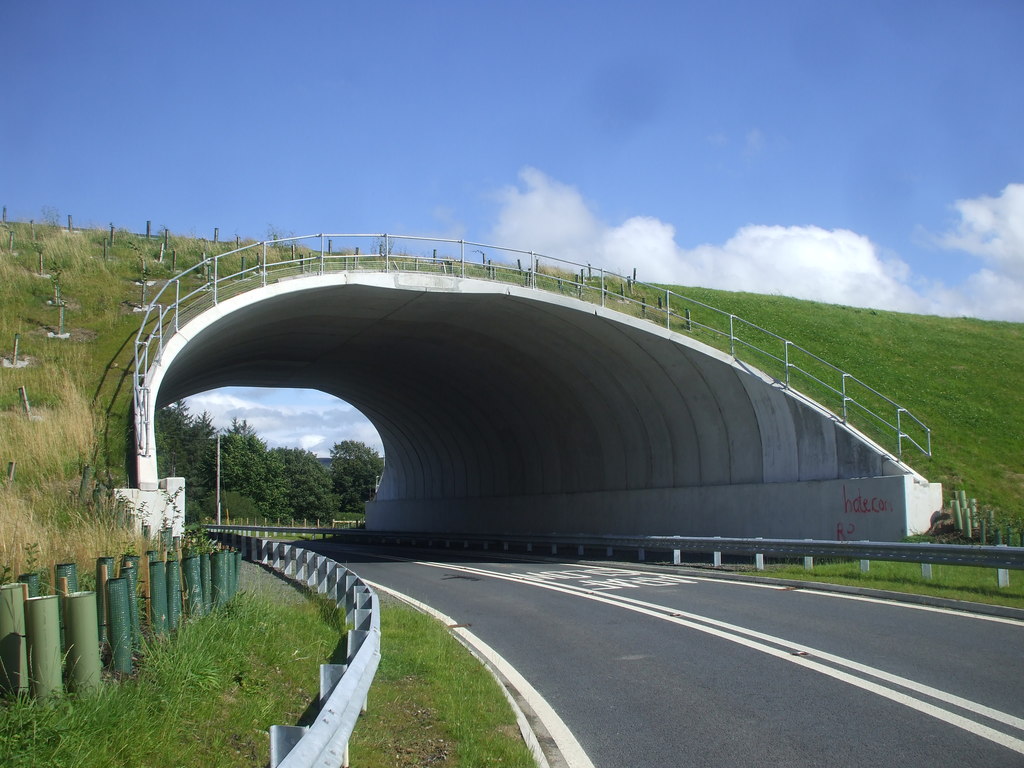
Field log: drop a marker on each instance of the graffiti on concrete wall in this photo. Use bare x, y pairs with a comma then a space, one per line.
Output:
857, 503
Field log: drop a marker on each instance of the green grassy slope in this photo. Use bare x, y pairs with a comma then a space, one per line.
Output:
960, 376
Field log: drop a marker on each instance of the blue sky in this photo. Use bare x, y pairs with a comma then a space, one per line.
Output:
865, 153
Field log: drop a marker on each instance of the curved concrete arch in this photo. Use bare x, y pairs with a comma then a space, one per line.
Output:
507, 409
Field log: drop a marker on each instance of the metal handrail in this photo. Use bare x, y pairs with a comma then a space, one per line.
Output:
218, 278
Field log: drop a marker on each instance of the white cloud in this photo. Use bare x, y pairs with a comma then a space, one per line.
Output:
551, 215
992, 229
836, 266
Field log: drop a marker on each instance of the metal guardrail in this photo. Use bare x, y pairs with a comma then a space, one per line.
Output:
258, 264
998, 557
343, 687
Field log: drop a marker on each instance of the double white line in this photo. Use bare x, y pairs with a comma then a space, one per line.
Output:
845, 670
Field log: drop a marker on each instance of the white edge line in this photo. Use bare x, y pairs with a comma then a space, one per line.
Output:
965, 613
568, 752
661, 612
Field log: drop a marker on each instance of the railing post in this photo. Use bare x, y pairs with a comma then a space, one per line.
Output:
845, 398
263, 271
668, 310
899, 433
216, 260
732, 337
786, 353
177, 298
321, 253
462, 256
159, 330
602, 288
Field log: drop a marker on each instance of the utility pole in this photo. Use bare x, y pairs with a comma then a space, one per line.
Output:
218, 478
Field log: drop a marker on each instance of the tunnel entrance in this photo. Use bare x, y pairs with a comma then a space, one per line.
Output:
514, 413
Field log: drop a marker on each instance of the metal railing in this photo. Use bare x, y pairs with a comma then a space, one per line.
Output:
258, 264
343, 687
1000, 557
983, 556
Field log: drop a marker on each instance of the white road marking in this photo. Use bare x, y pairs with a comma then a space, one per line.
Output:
572, 753
758, 641
914, 606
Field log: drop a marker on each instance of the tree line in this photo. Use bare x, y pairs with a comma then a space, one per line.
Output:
257, 481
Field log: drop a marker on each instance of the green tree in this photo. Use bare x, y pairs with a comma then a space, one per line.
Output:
249, 469
355, 469
182, 442
309, 492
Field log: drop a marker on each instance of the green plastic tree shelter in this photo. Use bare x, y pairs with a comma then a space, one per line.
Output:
42, 624
32, 580
81, 631
173, 594
190, 571
120, 630
219, 578
104, 571
67, 571
158, 597
130, 570
13, 652
206, 579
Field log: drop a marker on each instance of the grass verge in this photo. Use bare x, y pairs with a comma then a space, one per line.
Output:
432, 703
954, 582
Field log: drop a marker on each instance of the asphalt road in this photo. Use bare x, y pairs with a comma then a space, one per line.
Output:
675, 668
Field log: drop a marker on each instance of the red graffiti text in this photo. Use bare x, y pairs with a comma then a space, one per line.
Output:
864, 505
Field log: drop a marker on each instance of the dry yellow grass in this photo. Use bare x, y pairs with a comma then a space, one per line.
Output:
54, 442
41, 517
63, 532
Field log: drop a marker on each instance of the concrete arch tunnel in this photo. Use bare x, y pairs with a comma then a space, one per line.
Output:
506, 409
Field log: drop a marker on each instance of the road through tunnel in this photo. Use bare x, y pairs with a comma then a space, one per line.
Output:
507, 410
